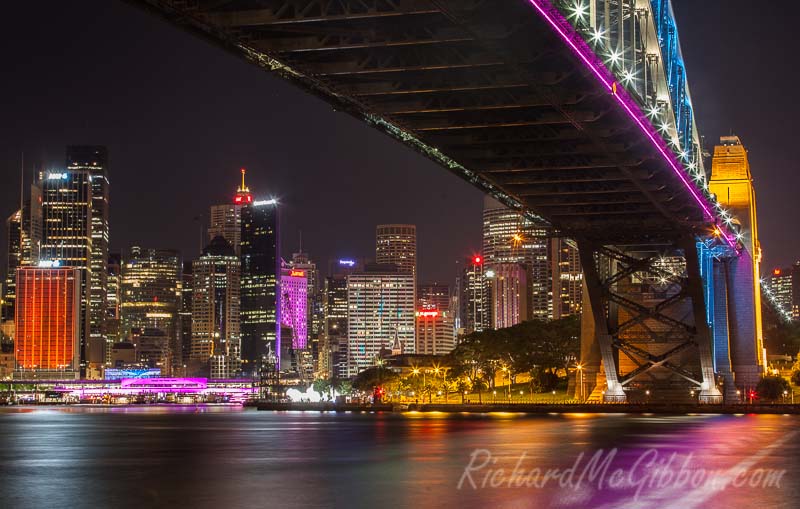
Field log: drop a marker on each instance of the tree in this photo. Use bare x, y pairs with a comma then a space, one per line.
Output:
344, 387
479, 385
376, 376
796, 378
322, 386
463, 386
771, 388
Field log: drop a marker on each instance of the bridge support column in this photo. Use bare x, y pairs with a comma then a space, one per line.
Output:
590, 352
720, 333
745, 346
709, 392
603, 340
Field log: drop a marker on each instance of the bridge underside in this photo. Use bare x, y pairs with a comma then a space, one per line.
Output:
486, 88
491, 91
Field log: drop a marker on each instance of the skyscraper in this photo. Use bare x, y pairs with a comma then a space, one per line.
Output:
150, 297
511, 237
435, 319
314, 319
24, 233
216, 338
434, 335
781, 282
475, 298
181, 359
93, 160
333, 348
48, 321
380, 308
397, 244
567, 278
226, 219
260, 325
67, 240
13, 258
294, 302
509, 294
113, 301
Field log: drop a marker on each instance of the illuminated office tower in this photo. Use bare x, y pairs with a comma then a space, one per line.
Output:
333, 348
226, 219
511, 237
380, 304
48, 322
260, 324
13, 258
153, 350
67, 241
216, 336
294, 302
185, 319
475, 298
314, 319
380, 308
113, 299
149, 294
435, 319
93, 160
509, 294
433, 294
434, 335
567, 278
397, 244
781, 283
24, 233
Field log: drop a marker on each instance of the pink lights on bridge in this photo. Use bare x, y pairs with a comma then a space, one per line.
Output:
582, 50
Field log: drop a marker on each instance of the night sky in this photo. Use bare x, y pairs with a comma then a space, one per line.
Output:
180, 117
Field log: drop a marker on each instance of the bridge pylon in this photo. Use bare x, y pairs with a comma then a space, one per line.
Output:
645, 335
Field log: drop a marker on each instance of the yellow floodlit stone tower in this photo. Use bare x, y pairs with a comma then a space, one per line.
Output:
732, 183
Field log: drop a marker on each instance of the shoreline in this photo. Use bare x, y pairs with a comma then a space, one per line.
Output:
539, 409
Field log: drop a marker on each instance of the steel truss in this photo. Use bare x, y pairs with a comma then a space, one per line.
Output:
648, 307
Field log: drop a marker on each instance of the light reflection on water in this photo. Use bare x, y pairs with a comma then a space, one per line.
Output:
222, 456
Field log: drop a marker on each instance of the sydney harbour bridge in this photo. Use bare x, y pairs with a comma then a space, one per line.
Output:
574, 112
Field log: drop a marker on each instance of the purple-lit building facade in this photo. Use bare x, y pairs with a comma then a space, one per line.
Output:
294, 305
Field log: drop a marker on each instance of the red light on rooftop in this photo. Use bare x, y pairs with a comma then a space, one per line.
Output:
477, 260
776, 272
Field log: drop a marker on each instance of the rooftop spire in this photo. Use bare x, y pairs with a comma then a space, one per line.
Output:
243, 195
243, 188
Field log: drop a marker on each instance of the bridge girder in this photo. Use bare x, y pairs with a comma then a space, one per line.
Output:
486, 89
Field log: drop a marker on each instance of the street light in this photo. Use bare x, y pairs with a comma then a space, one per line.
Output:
579, 367
508, 389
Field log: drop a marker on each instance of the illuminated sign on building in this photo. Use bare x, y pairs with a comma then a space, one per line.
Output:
118, 374
427, 314
297, 273
347, 263
49, 264
261, 203
57, 176
240, 199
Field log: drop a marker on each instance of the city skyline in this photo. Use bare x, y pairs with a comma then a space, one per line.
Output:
181, 164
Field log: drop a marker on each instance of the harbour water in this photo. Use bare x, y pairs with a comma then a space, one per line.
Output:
226, 456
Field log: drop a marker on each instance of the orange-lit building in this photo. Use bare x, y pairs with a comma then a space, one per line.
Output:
47, 343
